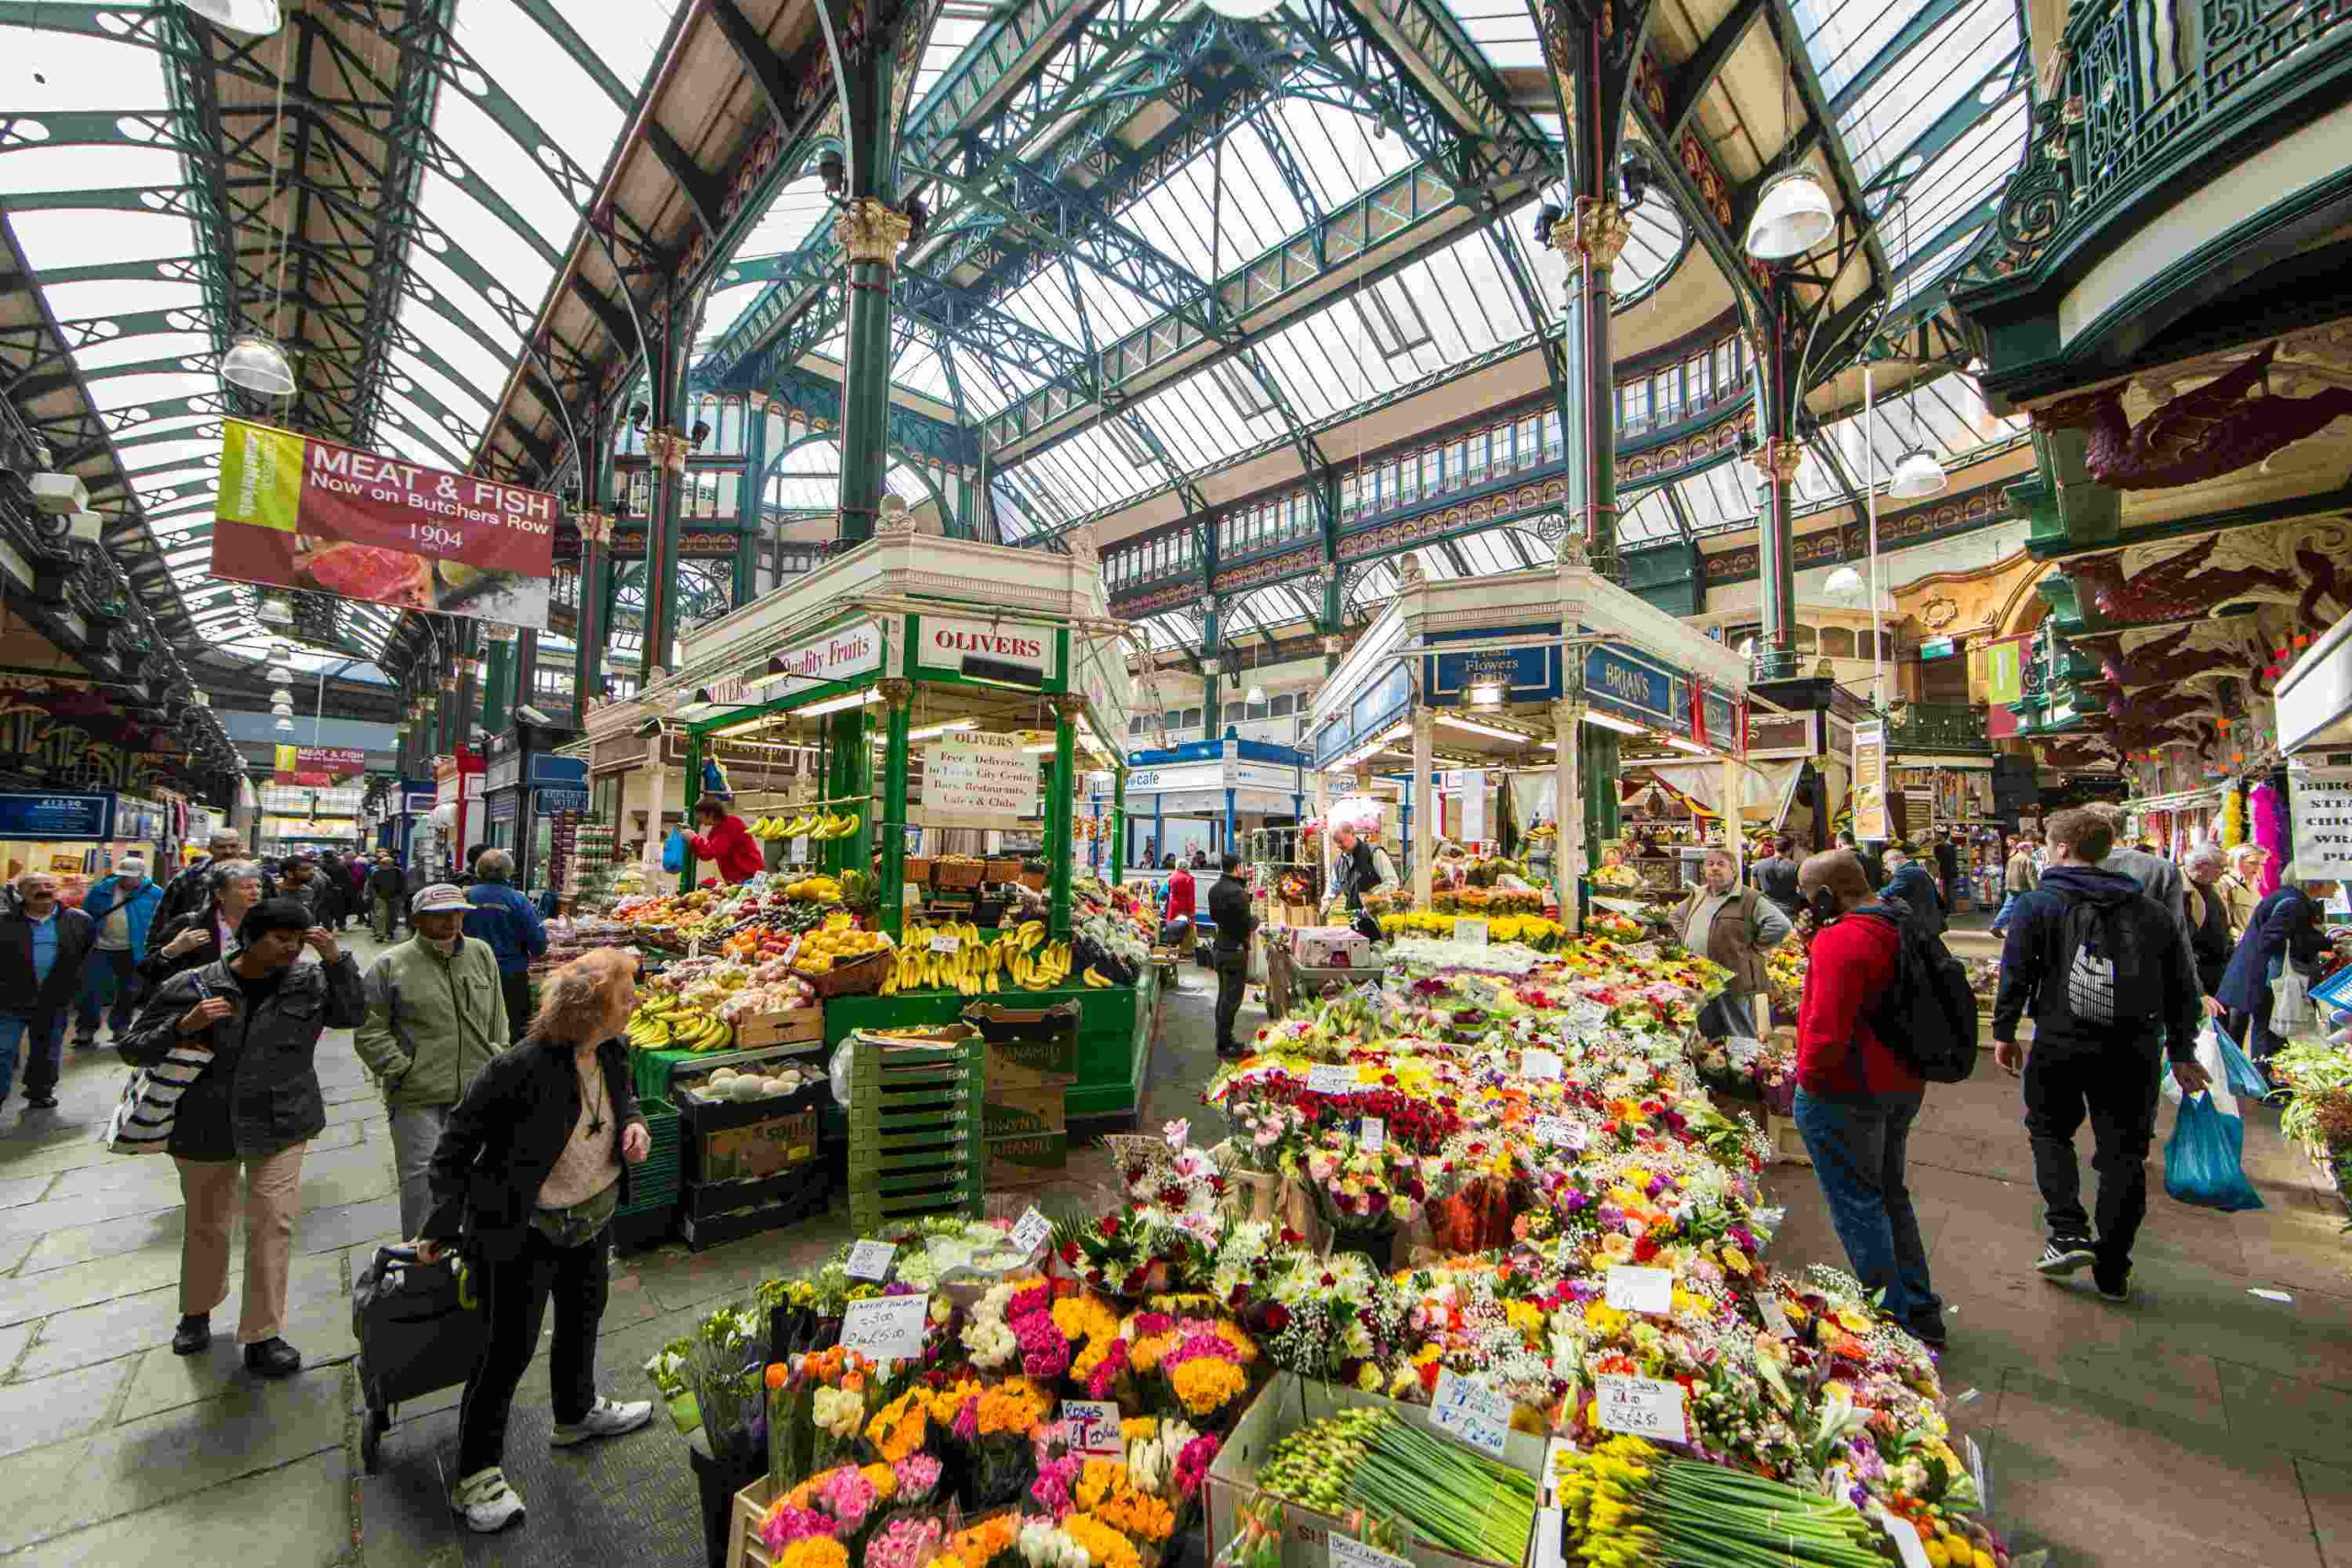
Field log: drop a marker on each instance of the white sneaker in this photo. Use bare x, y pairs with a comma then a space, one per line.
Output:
486, 1501
605, 1418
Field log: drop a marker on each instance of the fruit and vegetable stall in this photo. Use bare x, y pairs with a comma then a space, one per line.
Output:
1481, 1274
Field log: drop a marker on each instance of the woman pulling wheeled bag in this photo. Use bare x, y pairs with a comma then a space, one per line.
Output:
525, 1179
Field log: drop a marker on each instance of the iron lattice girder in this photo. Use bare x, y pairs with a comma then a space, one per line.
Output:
1690, 80
1448, 71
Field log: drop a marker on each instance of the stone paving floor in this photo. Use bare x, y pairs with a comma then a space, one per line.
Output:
2199, 1425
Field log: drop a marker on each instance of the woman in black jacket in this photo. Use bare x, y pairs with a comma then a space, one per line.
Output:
532, 1165
255, 1106
2284, 933
206, 933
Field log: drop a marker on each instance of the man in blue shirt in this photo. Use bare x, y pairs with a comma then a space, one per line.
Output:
510, 923
42, 948
123, 908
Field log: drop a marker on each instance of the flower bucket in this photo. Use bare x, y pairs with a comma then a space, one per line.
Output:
719, 1479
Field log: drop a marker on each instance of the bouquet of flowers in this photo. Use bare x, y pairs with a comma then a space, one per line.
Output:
988, 1544
991, 1426
836, 1503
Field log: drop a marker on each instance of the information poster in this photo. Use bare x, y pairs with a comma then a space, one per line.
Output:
2322, 801
1869, 781
296, 511
978, 780
318, 767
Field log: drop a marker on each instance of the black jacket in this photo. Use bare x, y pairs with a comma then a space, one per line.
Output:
260, 1093
192, 889
1229, 911
1357, 873
2034, 959
1776, 878
387, 882
19, 998
503, 1137
155, 968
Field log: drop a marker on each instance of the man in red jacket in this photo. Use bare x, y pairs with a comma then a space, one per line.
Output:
1857, 1097
725, 839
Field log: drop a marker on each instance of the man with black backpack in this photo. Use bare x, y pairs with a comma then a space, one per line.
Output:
2101, 967
1873, 995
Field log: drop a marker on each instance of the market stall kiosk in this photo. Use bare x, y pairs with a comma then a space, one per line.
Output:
1554, 670
64, 832
881, 662
1233, 786
530, 796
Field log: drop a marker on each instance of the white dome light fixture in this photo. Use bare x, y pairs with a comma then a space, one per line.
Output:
1254, 694
281, 695
1916, 473
258, 364
1245, 10
281, 710
1793, 216
284, 724
1845, 585
259, 18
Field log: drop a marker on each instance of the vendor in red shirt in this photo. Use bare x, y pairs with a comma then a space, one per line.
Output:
725, 839
1856, 1098
1179, 902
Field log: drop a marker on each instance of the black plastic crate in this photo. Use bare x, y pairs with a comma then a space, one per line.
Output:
736, 1224
706, 1199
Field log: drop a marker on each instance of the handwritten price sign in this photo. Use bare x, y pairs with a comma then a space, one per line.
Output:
870, 1260
1536, 1066
1030, 1231
1565, 1132
1331, 1077
1467, 1409
1640, 1407
1641, 1289
886, 1328
1091, 1426
1347, 1553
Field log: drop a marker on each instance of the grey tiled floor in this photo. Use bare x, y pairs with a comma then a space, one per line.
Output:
2199, 1425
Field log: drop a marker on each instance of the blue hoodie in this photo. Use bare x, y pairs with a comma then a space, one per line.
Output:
139, 905
509, 922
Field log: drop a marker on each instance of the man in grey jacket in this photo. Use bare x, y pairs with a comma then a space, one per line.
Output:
436, 1015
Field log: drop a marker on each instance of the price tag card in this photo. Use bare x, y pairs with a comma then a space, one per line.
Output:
1908, 1545
1641, 1289
1347, 1553
1091, 1426
1372, 1134
1641, 1408
694, 947
1470, 932
870, 1260
1032, 1231
1776, 1316
1468, 1410
1535, 1066
1331, 1077
1975, 1457
944, 943
886, 1328
1565, 1130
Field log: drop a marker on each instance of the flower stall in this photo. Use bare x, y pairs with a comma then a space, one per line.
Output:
1482, 1274
1561, 671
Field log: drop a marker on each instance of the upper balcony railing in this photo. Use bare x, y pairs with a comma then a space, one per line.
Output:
2151, 88
1939, 727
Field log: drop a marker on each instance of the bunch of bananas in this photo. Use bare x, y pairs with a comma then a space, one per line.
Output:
808, 825
953, 955
666, 1023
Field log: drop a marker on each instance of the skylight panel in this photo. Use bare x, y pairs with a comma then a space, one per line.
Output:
1503, 29
511, 260
36, 169
565, 101
86, 236
520, 179
110, 392
102, 297
428, 271
107, 353
1931, 77
626, 34
1844, 36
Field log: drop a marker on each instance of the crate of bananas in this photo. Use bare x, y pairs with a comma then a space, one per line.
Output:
952, 955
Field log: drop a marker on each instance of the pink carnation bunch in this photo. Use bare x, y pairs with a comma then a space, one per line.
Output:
1044, 1352
784, 1525
1051, 1490
848, 1496
1105, 1376
905, 1542
1193, 1464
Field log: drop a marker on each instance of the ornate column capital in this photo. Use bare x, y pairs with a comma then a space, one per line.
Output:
869, 230
595, 528
667, 448
897, 691
1410, 573
1068, 705
1779, 459
1593, 234
1335, 645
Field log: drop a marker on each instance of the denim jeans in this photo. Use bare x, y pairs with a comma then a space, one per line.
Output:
416, 1131
1858, 1148
2001, 915
42, 1041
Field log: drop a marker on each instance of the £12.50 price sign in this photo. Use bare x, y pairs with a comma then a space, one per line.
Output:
296, 511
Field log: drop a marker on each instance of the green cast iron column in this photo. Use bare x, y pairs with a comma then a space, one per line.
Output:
871, 231
899, 695
687, 809
1060, 795
1209, 668
747, 504
665, 451
848, 784
495, 664
1118, 823
1777, 461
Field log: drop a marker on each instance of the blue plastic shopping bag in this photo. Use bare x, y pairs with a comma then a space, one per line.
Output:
2237, 1067
674, 850
2201, 1161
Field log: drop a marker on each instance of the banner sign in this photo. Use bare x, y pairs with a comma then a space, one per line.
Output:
978, 781
1772, 735
1616, 681
1494, 674
296, 511
318, 767
1869, 781
553, 800
32, 814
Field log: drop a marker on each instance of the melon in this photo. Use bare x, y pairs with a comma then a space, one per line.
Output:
722, 1075
744, 1087
774, 1087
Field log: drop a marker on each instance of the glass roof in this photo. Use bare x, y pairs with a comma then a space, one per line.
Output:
105, 249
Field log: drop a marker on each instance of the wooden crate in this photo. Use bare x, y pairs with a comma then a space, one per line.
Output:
744, 1548
795, 1027
1002, 870
947, 874
918, 870
1788, 1144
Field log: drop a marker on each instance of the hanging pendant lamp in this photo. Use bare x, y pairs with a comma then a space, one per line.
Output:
1793, 216
1916, 473
259, 18
1844, 585
258, 364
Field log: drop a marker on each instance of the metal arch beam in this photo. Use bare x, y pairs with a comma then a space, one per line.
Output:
1692, 79
1789, 38
704, 194
1555, 360
1444, 69
1673, 492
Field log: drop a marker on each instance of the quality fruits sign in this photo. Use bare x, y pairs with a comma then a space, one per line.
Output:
296, 511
